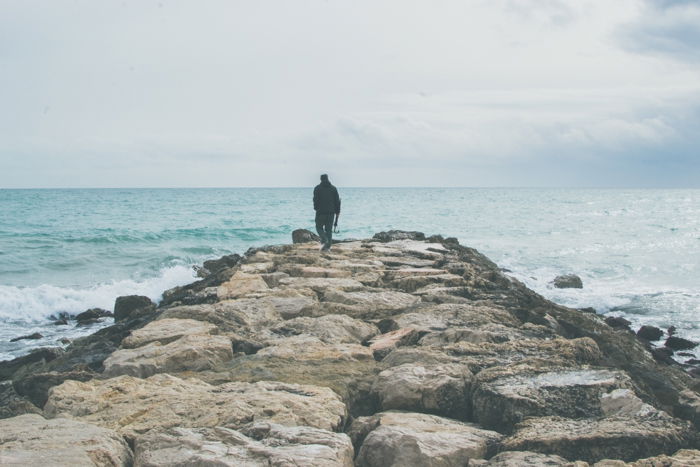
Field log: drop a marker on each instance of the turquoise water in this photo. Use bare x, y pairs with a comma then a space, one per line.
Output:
638, 251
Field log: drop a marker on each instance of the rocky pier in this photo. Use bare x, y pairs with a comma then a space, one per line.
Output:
399, 350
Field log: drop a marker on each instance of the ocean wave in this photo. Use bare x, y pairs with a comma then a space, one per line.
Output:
35, 304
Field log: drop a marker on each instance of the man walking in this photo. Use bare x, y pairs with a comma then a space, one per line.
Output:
326, 204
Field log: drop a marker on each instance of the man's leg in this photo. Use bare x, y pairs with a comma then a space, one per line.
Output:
328, 226
320, 225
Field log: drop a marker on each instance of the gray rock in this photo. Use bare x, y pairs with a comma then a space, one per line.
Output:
439, 389
679, 343
195, 352
33, 441
419, 440
166, 330
591, 440
304, 236
127, 307
263, 444
505, 396
568, 281
391, 235
650, 333
524, 459
133, 406
329, 328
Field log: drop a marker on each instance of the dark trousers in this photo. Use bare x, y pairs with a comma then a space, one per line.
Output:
324, 227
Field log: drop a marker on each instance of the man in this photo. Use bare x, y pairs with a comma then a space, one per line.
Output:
326, 204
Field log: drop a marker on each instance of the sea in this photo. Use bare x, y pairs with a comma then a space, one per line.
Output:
68, 250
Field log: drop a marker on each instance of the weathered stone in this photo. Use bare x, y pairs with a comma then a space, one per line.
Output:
591, 440
328, 328
568, 281
650, 333
392, 235
405, 438
213, 266
266, 444
439, 389
383, 344
679, 343
348, 369
371, 304
304, 236
92, 314
165, 331
36, 386
241, 284
541, 353
525, 459
127, 307
445, 316
13, 404
133, 406
34, 441
194, 352
624, 403
683, 458
322, 284
413, 283
28, 363
504, 396
316, 271
689, 406
618, 322
33, 336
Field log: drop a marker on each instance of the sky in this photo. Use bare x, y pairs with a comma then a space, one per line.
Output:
219, 93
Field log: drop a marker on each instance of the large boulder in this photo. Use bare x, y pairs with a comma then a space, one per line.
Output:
347, 369
240, 285
331, 329
419, 440
568, 281
503, 396
34, 441
13, 404
439, 389
127, 307
525, 459
392, 235
134, 406
165, 331
594, 439
258, 444
194, 352
304, 236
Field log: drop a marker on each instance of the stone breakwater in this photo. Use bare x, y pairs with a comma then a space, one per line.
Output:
392, 351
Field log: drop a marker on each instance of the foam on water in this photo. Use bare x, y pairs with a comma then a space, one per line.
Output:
26, 310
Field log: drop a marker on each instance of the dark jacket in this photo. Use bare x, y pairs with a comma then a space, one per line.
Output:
326, 199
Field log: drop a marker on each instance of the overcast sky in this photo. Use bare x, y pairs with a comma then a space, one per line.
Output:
156, 93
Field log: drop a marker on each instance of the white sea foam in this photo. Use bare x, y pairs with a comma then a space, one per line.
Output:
36, 304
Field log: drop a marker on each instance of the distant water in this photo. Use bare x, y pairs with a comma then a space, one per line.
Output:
637, 251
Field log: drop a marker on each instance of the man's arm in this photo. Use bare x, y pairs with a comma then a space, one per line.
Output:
316, 199
337, 207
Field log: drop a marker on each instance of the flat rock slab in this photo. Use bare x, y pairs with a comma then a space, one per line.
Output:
348, 369
525, 459
683, 458
260, 444
506, 396
373, 300
329, 328
440, 389
317, 271
133, 406
195, 352
592, 440
322, 284
414, 439
165, 331
31, 440
241, 284
553, 352
449, 315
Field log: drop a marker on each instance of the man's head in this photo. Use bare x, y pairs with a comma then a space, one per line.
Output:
324, 177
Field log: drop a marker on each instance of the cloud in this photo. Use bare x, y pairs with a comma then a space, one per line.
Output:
665, 27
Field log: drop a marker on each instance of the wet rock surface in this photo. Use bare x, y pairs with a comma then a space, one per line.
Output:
397, 350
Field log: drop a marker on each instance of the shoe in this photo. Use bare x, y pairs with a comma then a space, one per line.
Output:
325, 247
